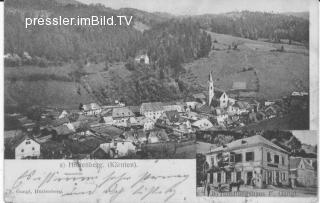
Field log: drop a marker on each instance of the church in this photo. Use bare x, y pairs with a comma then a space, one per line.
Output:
217, 98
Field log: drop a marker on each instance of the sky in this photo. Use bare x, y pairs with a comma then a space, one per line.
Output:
196, 7
306, 137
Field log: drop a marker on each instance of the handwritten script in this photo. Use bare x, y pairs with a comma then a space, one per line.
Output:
112, 185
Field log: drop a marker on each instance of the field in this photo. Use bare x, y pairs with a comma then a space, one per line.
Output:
272, 73
52, 86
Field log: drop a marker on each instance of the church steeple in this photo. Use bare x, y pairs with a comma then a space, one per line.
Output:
211, 88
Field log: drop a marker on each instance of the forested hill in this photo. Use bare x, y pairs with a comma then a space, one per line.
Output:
63, 43
254, 25
34, 55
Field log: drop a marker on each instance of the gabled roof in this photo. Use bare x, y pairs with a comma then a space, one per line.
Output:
151, 106
107, 131
91, 106
246, 142
295, 162
218, 94
121, 112
17, 140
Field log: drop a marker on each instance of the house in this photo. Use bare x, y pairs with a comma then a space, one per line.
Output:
121, 116
157, 136
26, 124
170, 117
191, 104
152, 110
91, 109
53, 150
200, 98
63, 114
83, 147
309, 149
174, 106
203, 110
107, 132
147, 123
143, 59
118, 149
302, 172
202, 124
24, 147
255, 160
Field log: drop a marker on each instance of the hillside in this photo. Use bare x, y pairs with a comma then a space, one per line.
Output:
79, 65
272, 73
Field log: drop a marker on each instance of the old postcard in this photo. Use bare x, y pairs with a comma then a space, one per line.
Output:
160, 101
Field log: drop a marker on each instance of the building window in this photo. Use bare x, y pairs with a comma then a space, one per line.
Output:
249, 156
32, 148
28, 142
219, 177
232, 158
228, 176
212, 161
268, 157
238, 158
282, 160
22, 150
276, 159
238, 175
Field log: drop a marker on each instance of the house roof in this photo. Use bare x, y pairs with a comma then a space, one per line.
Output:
85, 147
62, 130
203, 109
18, 139
151, 106
218, 94
161, 134
134, 109
60, 121
199, 96
245, 142
173, 116
295, 161
121, 112
107, 131
91, 106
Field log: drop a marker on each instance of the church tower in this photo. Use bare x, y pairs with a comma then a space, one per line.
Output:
211, 88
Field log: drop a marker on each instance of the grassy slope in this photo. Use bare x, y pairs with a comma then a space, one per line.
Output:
278, 73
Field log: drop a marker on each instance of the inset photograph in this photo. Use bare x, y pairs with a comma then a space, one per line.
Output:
269, 163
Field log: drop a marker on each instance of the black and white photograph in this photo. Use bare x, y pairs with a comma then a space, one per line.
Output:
159, 100
93, 79
269, 163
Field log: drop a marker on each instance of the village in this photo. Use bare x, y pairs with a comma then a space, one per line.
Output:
151, 130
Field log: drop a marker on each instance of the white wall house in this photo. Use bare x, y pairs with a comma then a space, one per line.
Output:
152, 110
202, 124
27, 148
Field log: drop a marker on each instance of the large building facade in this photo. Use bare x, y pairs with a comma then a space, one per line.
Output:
254, 160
